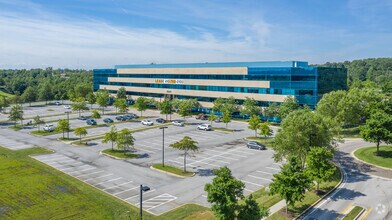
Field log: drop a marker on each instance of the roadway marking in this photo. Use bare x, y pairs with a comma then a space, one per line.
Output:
259, 171
367, 213
108, 181
273, 168
228, 153
98, 177
139, 195
87, 174
261, 178
82, 170
111, 187
114, 194
72, 167
252, 183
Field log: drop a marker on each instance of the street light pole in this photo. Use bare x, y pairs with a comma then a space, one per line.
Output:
163, 145
68, 124
142, 189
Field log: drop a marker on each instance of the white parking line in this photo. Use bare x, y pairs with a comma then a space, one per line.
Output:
138, 195
72, 167
92, 168
259, 171
115, 186
57, 165
175, 162
108, 181
228, 153
160, 204
242, 151
48, 156
56, 158
199, 161
252, 183
143, 145
261, 178
98, 177
87, 174
125, 190
273, 168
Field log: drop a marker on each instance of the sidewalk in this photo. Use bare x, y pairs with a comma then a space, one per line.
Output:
275, 208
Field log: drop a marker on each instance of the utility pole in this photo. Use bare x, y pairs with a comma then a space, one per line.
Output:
163, 145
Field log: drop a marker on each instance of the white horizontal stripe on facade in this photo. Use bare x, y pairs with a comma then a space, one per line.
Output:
195, 70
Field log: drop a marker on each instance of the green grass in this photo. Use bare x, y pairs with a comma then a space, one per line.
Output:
264, 199
7, 95
353, 213
223, 129
173, 170
268, 142
46, 133
350, 132
367, 154
310, 198
119, 153
189, 212
16, 127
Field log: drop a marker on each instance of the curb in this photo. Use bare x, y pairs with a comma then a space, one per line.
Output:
162, 171
323, 197
111, 156
352, 154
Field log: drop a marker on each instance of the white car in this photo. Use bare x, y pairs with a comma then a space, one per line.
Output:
57, 103
67, 106
205, 127
147, 122
178, 123
49, 128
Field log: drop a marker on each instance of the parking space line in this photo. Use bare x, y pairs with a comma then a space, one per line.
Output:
273, 168
142, 149
71, 167
175, 162
56, 158
227, 153
138, 195
248, 190
259, 171
98, 177
252, 183
201, 161
81, 170
87, 174
64, 165
242, 151
125, 190
261, 178
48, 156
160, 204
107, 181
111, 187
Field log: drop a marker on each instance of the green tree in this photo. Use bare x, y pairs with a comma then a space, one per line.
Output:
319, 164
102, 97
327, 106
253, 123
124, 139
29, 95
46, 92
265, 129
249, 107
272, 110
81, 131
378, 128
289, 105
121, 105
16, 114
230, 105
91, 99
226, 117
79, 104
110, 136
141, 104
186, 144
212, 117
38, 121
250, 210
223, 193
121, 93
95, 114
166, 107
291, 182
4, 103
218, 105
176, 104
63, 126
299, 131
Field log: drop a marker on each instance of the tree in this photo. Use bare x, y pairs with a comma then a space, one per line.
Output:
121, 104
46, 92
223, 193
95, 114
81, 131
230, 105
124, 139
79, 104
29, 95
319, 164
110, 136
272, 110
16, 113
378, 128
91, 99
249, 107
3, 103
212, 117
166, 107
63, 126
250, 210
121, 93
301, 130
254, 123
289, 105
141, 104
176, 104
218, 105
265, 129
38, 121
327, 106
291, 182
186, 144
102, 97
226, 117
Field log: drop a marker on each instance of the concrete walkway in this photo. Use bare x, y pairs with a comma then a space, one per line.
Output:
275, 208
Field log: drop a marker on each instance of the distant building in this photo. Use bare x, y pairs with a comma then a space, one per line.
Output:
266, 82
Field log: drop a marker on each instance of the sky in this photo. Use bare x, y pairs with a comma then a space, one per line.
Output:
88, 34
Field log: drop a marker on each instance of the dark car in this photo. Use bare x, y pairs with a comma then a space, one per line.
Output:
128, 117
200, 116
204, 117
108, 120
82, 118
120, 118
255, 145
91, 121
160, 120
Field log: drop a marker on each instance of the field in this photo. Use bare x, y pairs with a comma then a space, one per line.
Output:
367, 154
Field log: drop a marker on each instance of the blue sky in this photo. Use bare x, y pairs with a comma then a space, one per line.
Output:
101, 33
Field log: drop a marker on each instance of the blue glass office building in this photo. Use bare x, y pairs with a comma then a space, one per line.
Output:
266, 82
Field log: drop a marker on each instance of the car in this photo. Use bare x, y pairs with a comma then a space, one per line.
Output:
120, 118
255, 145
82, 118
49, 128
218, 119
178, 123
91, 121
128, 117
67, 106
205, 127
147, 122
200, 116
133, 115
204, 117
57, 103
160, 120
108, 120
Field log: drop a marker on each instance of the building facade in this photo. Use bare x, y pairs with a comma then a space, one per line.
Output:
266, 82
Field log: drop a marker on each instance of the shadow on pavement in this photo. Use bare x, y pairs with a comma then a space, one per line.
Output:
356, 172
318, 214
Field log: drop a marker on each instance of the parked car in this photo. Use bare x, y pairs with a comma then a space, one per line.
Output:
129, 116
147, 122
120, 118
255, 145
49, 128
82, 118
57, 103
160, 120
67, 106
91, 121
205, 127
108, 120
178, 123
218, 119
133, 115
200, 116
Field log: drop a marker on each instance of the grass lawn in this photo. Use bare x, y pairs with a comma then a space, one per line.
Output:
7, 95
173, 170
119, 153
353, 213
264, 199
350, 132
367, 154
310, 198
268, 142
46, 133
223, 129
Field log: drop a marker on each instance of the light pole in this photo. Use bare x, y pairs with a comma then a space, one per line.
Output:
163, 145
68, 124
142, 189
